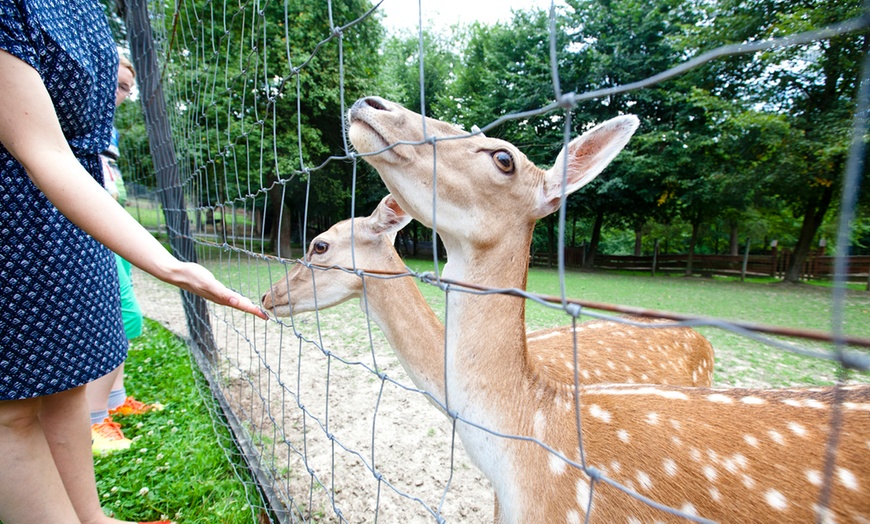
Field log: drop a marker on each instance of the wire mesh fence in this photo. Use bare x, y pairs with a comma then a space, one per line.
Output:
328, 421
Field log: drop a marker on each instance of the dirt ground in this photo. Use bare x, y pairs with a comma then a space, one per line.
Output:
346, 444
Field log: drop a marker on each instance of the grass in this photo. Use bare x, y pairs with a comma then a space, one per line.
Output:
174, 468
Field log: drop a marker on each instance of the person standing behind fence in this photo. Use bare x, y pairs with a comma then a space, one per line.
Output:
107, 395
58, 228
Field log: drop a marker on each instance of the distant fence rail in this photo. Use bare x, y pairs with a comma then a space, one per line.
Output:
772, 264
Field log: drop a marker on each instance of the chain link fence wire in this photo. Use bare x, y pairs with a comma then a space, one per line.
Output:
322, 414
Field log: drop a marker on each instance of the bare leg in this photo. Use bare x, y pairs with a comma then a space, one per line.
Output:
31, 489
66, 425
119, 378
99, 389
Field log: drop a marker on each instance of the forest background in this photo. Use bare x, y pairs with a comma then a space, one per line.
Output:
750, 148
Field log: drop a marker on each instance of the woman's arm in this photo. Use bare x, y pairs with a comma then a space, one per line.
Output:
29, 129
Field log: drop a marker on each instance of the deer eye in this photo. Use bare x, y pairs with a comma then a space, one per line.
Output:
503, 161
319, 247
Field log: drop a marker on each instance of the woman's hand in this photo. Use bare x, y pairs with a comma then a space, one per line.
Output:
200, 281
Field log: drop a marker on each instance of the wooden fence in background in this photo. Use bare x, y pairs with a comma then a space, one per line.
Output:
771, 264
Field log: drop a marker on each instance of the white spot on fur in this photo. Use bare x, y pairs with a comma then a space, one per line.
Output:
748, 481
616, 466
540, 427
710, 473
652, 418
585, 374
814, 477
675, 424
797, 429
813, 403
775, 499
557, 464
601, 414
776, 436
646, 390
574, 517
714, 494
722, 399
644, 480
695, 454
584, 493
752, 441
670, 467
689, 509
753, 401
826, 516
847, 479
856, 406
623, 435
792, 402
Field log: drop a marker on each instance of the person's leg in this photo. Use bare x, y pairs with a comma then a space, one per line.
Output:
98, 394
118, 390
65, 423
31, 489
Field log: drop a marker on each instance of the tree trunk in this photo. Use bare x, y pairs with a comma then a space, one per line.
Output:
638, 240
815, 212
695, 227
279, 215
733, 246
589, 263
551, 240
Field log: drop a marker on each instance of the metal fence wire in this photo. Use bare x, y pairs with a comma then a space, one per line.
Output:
328, 423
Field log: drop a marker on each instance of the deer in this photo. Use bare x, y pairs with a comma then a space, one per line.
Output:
613, 351
569, 452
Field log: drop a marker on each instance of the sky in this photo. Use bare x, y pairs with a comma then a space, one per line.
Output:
403, 14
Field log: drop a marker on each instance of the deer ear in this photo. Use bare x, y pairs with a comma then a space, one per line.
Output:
388, 217
584, 158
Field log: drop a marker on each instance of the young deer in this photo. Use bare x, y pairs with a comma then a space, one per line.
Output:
732, 455
612, 351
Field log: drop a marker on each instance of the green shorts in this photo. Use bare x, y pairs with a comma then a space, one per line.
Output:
131, 313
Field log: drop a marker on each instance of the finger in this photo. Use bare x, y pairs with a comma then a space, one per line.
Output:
244, 304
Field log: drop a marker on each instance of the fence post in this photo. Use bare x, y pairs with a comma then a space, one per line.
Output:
745, 262
655, 257
773, 265
170, 190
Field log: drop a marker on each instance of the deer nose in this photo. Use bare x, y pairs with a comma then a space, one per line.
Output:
370, 102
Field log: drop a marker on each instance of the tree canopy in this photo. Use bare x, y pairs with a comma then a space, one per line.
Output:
753, 145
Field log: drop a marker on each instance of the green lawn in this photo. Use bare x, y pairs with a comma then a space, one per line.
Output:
179, 465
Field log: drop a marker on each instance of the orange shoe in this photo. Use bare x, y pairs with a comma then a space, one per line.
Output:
131, 406
107, 437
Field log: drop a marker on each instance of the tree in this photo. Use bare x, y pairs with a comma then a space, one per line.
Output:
813, 85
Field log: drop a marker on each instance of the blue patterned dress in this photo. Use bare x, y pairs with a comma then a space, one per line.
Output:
60, 314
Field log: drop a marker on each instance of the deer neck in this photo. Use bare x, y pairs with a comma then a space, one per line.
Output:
486, 332
411, 327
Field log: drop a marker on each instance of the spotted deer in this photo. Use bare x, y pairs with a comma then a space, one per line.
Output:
729, 455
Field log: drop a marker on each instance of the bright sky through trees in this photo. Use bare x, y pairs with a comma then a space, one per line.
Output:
404, 14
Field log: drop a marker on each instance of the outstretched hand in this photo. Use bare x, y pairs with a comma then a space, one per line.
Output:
200, 281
